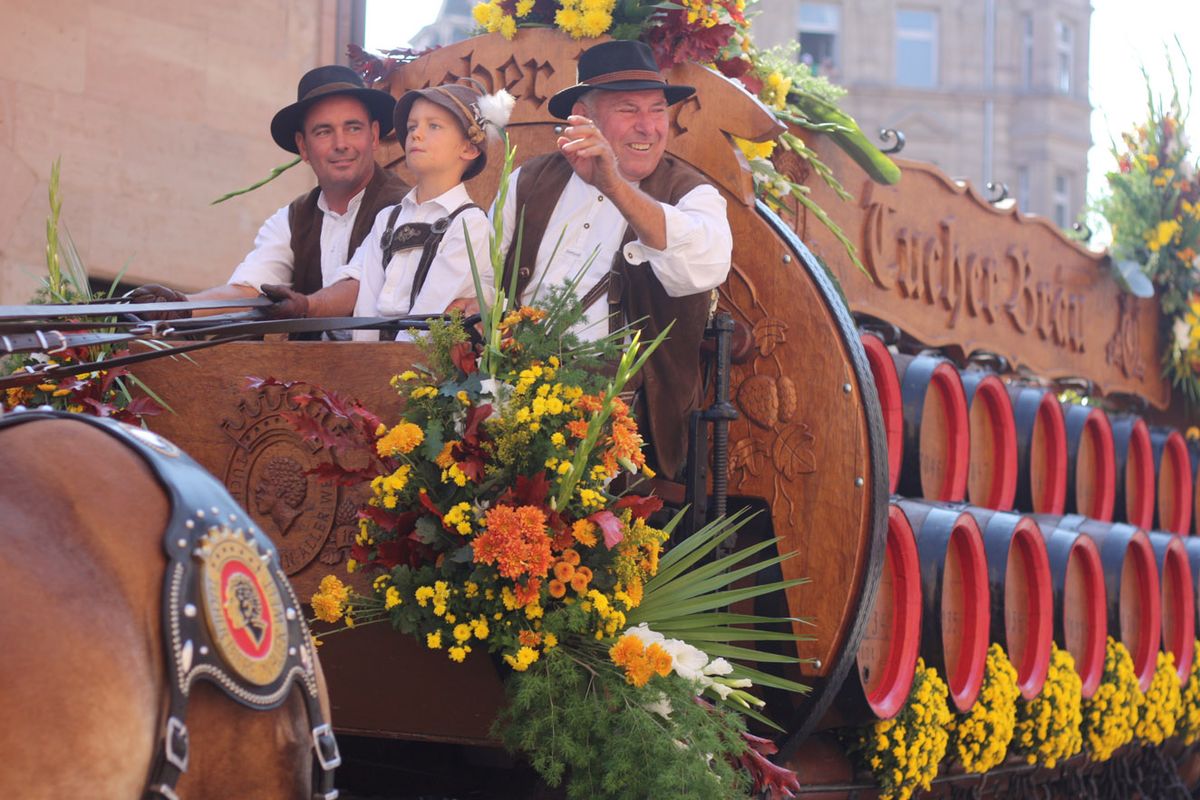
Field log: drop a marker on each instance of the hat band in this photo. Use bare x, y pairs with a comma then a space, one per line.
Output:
326, 88
625, 75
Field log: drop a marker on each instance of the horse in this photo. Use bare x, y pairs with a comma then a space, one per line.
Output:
86, 680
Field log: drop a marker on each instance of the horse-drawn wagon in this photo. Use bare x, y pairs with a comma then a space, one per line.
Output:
839, 405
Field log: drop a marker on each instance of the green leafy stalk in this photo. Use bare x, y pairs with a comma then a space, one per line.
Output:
275, 173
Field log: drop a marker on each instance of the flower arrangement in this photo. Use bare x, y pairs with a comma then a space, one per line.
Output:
981, 738
101, 392
1111, 714
1188, 725
903, 753
1163, 703
1047, 727
1153, 210
494, 525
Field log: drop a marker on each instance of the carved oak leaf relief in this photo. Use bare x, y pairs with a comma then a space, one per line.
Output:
792, 451
768, 334
788, 399
748, 455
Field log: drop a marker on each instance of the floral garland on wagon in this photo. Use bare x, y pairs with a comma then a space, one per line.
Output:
980, 739
99, 392
1153, 211
1048, 726
494, 526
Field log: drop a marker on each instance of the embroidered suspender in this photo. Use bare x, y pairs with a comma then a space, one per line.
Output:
427, 235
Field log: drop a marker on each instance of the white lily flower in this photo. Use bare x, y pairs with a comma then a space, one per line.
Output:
718, 666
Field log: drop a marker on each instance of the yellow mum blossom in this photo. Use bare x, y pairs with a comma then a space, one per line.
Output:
525, 656
434, 640
392, 598
1162, 235
753, 150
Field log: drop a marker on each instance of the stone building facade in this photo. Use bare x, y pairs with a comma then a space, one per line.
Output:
155, 109
990, 91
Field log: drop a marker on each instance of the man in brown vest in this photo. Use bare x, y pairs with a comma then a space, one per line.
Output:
657, 227
334, 125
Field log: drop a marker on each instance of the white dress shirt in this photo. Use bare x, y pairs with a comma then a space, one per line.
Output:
271, 260
385, 290
696, 258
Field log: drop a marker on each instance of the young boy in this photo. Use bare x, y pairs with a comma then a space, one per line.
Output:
414, 262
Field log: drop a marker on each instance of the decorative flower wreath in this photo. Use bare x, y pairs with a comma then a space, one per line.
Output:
1163, 703
904, 753
102, 393
494, 524
1189, 713
1047, 729
981, 738
1153, 211
1111, 714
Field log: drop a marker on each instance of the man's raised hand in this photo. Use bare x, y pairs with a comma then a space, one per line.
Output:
589, 153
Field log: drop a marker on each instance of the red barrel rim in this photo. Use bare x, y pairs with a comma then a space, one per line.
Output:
1174, 485
901, 630
1097, 432
1033, 663
947, 385
992, 465
1050, 423
891, 402
1084, 561
964, 667
1139, 477
1178, 607
1141, 625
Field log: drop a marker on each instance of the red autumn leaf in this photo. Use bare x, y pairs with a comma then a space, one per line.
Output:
423, 498
464, 357
611, 525
472, 467
642, 507
529, 491
379, 517
340, 476
475, 415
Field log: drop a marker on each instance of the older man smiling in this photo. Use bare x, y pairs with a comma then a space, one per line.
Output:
657, 227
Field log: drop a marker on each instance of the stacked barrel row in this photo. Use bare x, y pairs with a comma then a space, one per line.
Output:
1035, 556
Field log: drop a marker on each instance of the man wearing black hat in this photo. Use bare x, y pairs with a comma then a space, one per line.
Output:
334, 126
658, 228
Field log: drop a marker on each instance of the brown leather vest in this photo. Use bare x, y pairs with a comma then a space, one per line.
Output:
305, 219
671, 378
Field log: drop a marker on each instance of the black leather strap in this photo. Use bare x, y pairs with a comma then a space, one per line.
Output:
426, 235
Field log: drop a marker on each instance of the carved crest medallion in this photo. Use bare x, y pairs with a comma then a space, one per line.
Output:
267, 473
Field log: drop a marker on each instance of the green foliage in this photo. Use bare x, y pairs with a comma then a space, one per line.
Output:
583, 724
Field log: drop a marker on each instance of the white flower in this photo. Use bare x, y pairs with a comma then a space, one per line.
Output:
661, 706
1183, 334
718, 666
687, 661
647, 636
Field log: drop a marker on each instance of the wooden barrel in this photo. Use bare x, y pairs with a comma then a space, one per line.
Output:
954, 594
1194, 459
887, 386
1133, 499
887, 656
1090, 470
1178, 587
1173, 471
1192, 547
992, 463
1022, 599
1041, 450
936, 429
1132, 588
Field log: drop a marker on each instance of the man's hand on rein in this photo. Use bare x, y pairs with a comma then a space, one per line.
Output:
589, 153
287, 303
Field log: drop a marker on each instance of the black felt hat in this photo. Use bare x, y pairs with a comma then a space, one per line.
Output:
616, 66
323, 82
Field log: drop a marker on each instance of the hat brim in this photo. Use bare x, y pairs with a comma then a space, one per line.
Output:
288, 121
561, 103
404, 108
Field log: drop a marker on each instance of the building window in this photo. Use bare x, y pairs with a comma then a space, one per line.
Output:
1027, 51
1065, 37
1062, 200
1023, 189
916, 48
818, 25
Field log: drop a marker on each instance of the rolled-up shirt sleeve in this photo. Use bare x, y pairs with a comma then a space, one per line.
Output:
699, 244
271, 260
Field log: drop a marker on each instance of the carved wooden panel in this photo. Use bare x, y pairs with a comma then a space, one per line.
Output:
953, 270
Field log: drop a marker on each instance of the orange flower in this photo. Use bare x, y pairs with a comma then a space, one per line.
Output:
563, 571
626, 650
400, 439
444, 459
515, 540
529, 638
584, 533
659, 659
528, 591
572, 556
557, 589
578, 428
581, 579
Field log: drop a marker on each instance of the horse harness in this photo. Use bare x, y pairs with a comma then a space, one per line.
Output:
411, 235
229, 614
